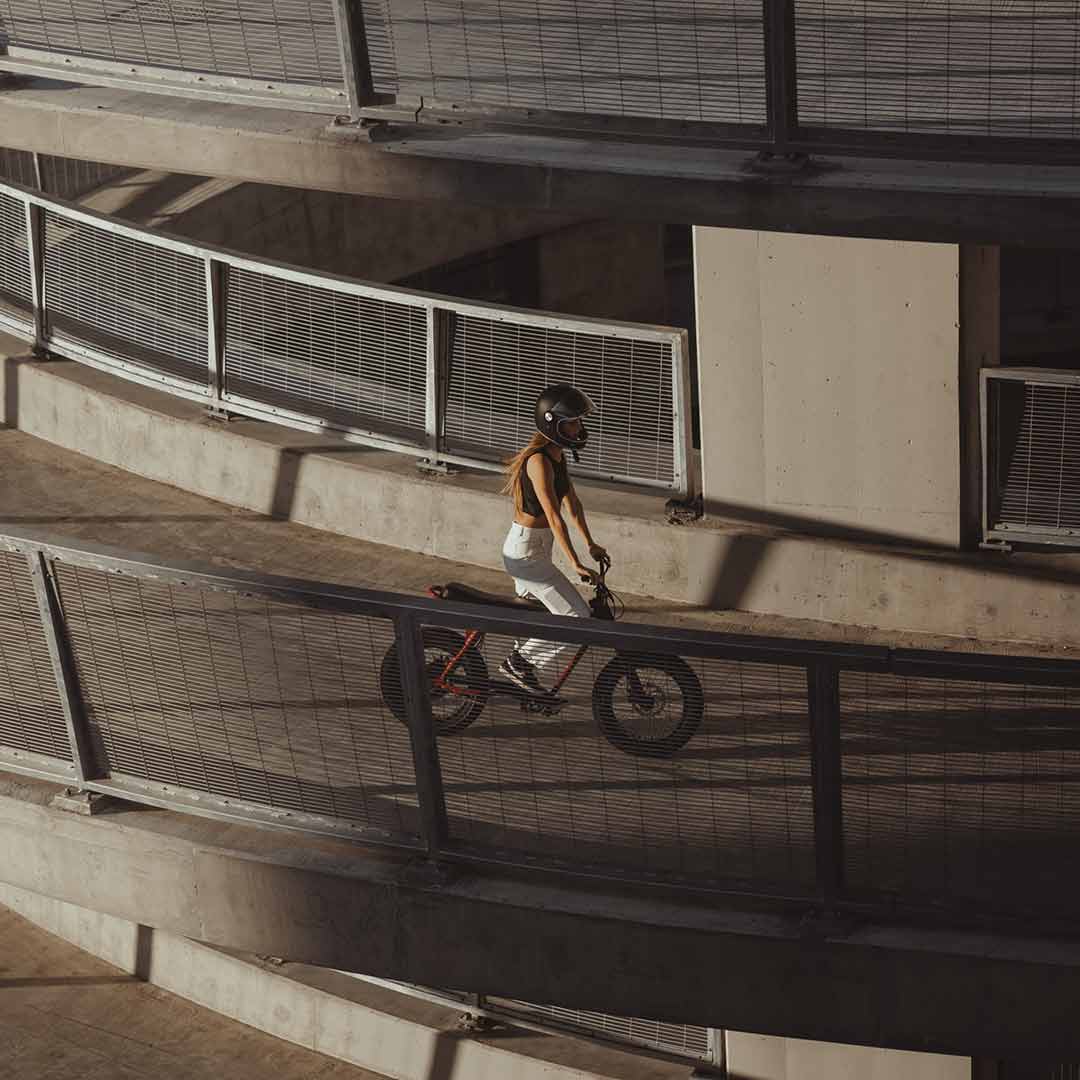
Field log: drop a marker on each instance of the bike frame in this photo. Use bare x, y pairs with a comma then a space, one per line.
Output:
472, 640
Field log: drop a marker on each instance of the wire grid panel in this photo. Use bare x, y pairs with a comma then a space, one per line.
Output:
354, 360
240, 697
17, 166
16, 289
31, 716
733, 806
70, 178
126, 298
1037, 455
293, 41
684, 1039
972, 67
682, 60
497, 369
956, 791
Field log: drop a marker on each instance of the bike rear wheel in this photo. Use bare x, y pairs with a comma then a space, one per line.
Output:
648, 705
453, 707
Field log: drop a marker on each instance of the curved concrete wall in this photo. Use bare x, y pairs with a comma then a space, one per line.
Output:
544, 938
758, 562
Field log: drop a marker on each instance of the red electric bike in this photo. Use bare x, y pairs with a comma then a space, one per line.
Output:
646, 704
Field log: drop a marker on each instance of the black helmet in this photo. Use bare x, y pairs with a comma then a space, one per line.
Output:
558, 404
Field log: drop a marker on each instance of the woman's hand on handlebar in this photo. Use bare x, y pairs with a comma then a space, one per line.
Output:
599, 555
590, 577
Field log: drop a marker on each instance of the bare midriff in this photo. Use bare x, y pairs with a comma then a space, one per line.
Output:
530, 521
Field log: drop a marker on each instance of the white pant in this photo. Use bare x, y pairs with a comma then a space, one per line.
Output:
527, 558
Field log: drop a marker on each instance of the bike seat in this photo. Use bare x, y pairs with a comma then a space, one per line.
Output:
466, 594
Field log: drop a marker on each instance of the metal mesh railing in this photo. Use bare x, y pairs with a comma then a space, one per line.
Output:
31, 718
16, 283
686, 1040
353, 359
737, 808
994, 68
127, 298
498, 367
993, 79
794, 771
284, 45
957, 791
700, 60
1032, 455
428, 375
67, 177
240, 697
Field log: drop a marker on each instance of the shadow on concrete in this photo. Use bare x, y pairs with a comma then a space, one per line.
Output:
290, 460
157, 195
10, 417
735, 574
121, 519
144, 952
66, 980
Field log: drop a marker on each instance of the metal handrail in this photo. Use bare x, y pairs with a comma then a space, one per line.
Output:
207, 380
89, 598
344, 83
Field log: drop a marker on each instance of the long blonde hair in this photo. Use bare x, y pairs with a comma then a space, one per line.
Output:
513, 467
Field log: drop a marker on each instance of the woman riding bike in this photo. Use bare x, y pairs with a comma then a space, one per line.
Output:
539, 481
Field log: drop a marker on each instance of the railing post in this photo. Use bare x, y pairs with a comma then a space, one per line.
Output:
780, 67
35, 248
823, 692
438, 363
215, 334
53, 627
687, 481
414, 688
355, 62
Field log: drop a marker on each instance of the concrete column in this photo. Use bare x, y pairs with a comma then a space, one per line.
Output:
767, 1057
829, 383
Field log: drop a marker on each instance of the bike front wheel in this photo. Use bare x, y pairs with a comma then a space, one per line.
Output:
457, 703
648, 705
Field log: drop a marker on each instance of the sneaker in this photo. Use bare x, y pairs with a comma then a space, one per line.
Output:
520, 672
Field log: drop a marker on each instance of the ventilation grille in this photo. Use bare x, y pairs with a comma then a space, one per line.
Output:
691, 60
31, 716
240, 697
1038, 457
126, 298
287, 40
498, 368
997, 67
354, 360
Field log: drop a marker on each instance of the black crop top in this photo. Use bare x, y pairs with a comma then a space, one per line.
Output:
530, 502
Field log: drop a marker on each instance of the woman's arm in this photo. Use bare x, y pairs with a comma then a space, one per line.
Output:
576, 512
541, 473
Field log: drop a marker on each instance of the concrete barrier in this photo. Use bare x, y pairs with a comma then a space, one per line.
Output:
752, 564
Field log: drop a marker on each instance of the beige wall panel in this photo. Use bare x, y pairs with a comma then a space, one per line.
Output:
765, 1057
856, 346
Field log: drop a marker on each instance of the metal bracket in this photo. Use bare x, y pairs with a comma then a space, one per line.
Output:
1002, 547
684, 511
85, 803
475, 1023
435, 468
